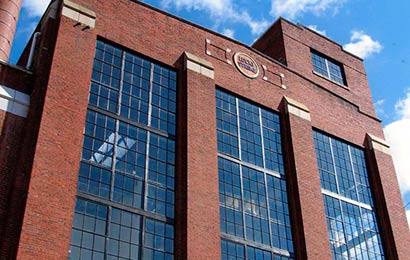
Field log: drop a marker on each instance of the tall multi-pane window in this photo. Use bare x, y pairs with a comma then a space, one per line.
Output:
125, 199
328, 68
255, 222
351, 221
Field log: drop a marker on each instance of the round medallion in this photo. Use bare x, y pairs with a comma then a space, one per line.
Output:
246, 65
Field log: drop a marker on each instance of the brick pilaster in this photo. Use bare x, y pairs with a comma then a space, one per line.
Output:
387, 199
305, 196
197, 207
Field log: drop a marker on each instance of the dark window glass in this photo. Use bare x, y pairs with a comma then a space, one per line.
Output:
272, 142
138, 83
94, 180
232, 251
351, 222
98, 141
257, 254
128, 190
230, 198
158, 240
328, 68
160, 197
279, 214
227, 125
252, 186
122, 238
128, 159
124, 235
89, 229
250, 131
131, 149
255, 206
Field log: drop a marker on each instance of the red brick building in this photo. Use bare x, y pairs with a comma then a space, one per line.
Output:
128, 133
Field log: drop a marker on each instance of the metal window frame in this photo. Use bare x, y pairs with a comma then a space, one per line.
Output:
109, 203
342, 199
243, 241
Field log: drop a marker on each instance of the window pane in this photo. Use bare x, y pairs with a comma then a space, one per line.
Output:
99, 139
250, 131
352, 226
128, 159
252, 186
158, 240
328, 68
319, 64
87, 236
125, 234
232, 251
227, 125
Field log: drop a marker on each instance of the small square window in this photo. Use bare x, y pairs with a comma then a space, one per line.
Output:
328, 68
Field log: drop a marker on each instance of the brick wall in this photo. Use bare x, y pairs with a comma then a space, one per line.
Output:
56, 150
11, 130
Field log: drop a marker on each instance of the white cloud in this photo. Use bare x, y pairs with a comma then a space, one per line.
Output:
378, 105
403, 107
397, 135
362, 45
257, 27
216, 7
314, 28
220, 11
228, 33
35, 8
292, 8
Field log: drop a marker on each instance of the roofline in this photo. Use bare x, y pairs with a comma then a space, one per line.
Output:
279, 19
301, 26
249, 47
330, 40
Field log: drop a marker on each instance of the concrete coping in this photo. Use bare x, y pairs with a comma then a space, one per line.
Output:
79, 8
296, 108
377, 143
198, 60
296, 104
199, 65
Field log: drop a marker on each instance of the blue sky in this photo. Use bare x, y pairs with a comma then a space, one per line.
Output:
374, 30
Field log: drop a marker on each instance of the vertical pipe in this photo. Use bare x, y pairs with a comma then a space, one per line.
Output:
32, 50
9, 12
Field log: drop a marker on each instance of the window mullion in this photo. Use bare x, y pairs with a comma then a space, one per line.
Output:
265, 178
116, 133
142, 237
107, 231
243, 203
240, 169
334, 164
338, 191
354, 174
358, 199
327, 68
151, 83
239, 129
147, 146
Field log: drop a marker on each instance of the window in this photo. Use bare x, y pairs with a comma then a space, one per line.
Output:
125, 200
351, 222
126, 240
255, 222
327, 67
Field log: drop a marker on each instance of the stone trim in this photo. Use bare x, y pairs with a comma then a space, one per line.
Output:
79, 13
199, 65
296, 108
376, 143
14, 102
